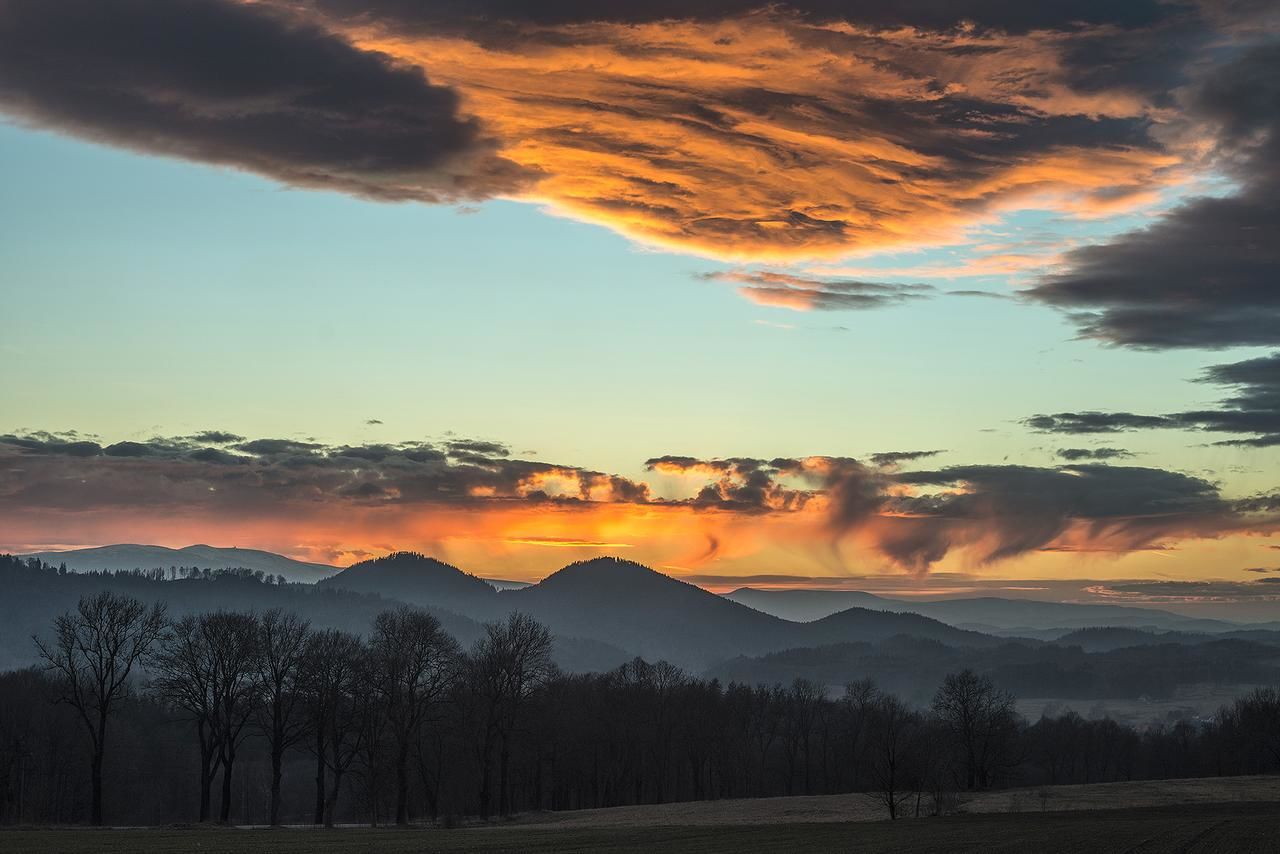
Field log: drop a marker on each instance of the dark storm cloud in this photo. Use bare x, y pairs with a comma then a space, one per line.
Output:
1072, 455
1253, 408
232, 83
1205, 274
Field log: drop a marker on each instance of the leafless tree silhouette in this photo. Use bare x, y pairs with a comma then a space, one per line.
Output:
93, 652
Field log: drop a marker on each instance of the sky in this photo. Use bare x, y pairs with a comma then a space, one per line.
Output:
825, 289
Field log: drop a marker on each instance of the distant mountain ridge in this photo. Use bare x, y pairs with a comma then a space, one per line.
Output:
127, 556
629, 605
986, 614
635, 610
606, 610
33, 597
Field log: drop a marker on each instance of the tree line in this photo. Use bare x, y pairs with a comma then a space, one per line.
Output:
138, 718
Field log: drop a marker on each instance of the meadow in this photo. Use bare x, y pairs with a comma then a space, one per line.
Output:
1192, 816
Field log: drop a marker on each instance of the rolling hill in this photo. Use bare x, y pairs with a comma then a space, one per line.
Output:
647, 612
607, 609
419, 580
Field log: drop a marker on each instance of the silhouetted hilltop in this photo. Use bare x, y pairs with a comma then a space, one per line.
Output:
654, 615
614, 572
864, 624
419, 580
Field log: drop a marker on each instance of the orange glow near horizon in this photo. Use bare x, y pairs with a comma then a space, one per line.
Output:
526, 542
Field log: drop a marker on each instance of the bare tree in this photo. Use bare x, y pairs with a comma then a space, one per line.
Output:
281, 646
93, 651
764, 724
183, 676
333, 682
508, 664
411, 663
856, 707
802, 705
892, 737
981, 720
233, 646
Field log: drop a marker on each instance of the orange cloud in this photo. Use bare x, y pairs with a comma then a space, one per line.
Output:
770, 137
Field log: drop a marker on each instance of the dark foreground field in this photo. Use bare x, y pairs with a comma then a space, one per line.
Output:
1196, 829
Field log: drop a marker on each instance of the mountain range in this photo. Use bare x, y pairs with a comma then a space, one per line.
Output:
605, 611
633, 607
637, 611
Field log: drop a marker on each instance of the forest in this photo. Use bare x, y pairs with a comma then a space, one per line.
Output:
135, 716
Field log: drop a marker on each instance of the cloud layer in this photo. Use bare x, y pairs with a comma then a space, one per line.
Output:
993, 512
476, 489
741, 130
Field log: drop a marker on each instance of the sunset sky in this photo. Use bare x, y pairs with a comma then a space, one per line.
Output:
827, 288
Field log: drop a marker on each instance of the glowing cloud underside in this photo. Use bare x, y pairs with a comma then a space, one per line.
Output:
767, 138
343, 502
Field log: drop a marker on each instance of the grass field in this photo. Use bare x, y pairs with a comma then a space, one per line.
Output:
857, 807
1201, 829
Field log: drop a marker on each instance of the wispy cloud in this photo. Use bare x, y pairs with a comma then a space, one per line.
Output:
800, 293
